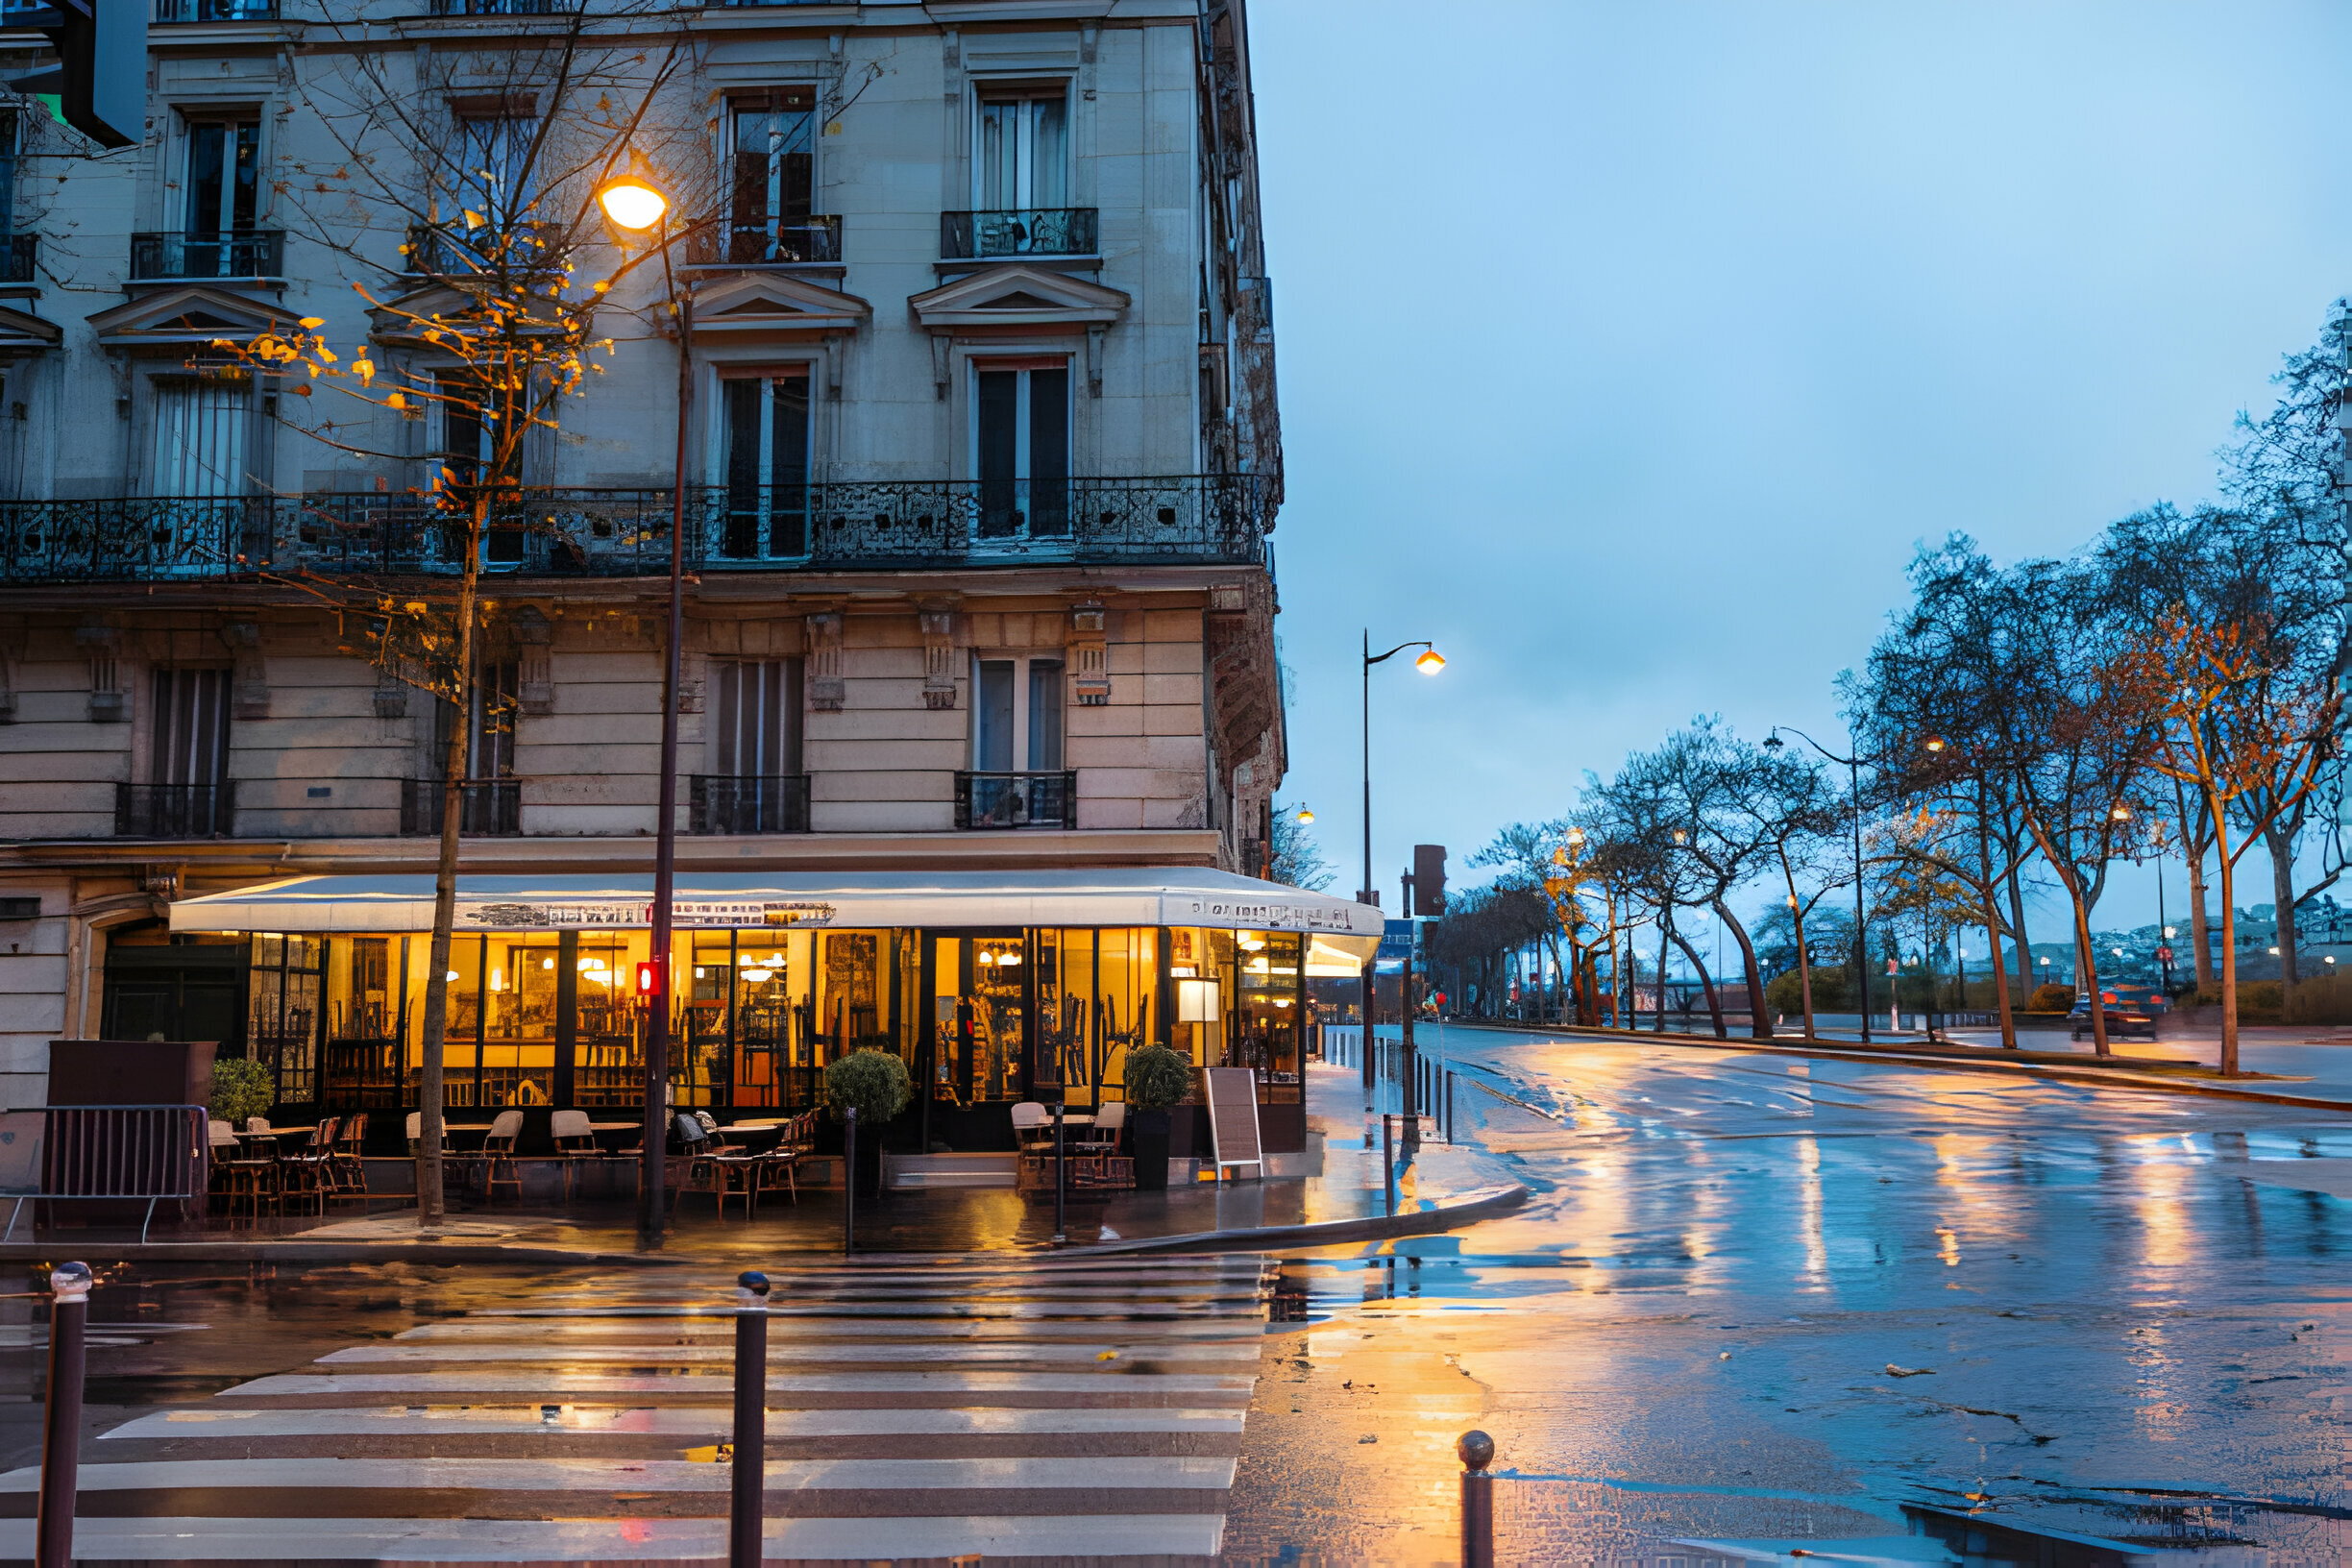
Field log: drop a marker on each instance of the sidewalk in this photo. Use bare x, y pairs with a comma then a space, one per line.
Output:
1347, 1201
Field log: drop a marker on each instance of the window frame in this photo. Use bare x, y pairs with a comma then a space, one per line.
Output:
1022, 751
1026, 91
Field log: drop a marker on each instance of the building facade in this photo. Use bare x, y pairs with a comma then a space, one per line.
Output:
980, 465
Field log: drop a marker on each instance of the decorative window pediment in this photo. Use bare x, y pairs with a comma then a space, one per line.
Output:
776, 302
22, 332
1018, 296
180, 316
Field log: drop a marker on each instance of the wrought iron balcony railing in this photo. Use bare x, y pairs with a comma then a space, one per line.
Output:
450, 254
23, 250
851, 525
492, 808
1027, 800
175, 811
502, 8
241, 253
215, 11
813, 239
752, 803
1025, 230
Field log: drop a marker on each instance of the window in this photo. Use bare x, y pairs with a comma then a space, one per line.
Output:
766, 463
191, 729
1023, 148
495, 158
224, 159
757, 717
199, 435
1021, 414
1017, 715
11, 134
490, 734
772, 179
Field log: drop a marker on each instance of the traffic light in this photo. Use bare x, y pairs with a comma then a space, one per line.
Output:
648, 979
1429, 879
101, 75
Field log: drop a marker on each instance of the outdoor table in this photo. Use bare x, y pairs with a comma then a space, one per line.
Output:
597, 1127
267, 1134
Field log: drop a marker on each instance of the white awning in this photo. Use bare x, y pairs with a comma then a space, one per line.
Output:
1344, 933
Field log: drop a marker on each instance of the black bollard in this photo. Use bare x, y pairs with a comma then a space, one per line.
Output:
69, 1286
1476, 1451
1061, 1232
849, 1180
748, 1521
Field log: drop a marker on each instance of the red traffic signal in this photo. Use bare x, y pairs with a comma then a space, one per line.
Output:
648, 979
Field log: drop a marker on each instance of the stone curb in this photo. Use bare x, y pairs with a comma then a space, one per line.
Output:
2096, 1077
1478, 1203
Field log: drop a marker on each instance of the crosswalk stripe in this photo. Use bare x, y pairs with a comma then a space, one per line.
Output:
683, 1421
1061, 1411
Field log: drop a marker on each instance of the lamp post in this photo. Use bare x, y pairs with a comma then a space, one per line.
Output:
1853, 773
637, 206
1429, 663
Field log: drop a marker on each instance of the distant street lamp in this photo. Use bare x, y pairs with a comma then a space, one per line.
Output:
1304, 816
1429, 663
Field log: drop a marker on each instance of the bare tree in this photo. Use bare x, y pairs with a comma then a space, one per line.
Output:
482, 164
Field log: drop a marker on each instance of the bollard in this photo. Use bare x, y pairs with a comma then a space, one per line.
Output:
69, 1286
1449, 1106
1388, 1163
1476, 1451
849, 1180
746, 1521
1060, 1234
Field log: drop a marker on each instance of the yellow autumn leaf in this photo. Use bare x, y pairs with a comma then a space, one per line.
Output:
474, 219
314, 321
365, 370
326, 353
396, 401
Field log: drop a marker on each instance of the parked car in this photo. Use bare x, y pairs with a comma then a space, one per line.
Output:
2130, 1010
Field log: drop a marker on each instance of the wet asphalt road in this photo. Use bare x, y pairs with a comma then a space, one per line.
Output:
1775, 1300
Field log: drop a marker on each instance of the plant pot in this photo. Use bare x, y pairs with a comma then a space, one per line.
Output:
1150, 1134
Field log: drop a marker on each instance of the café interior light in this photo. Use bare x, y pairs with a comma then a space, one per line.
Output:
1196, 1001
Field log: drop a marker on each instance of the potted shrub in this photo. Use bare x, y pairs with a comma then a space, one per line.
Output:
1156, 1078
240, 1089
876, 1083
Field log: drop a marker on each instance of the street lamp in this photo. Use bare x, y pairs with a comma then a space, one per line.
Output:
1853, 773
1429, 663
1304, 816
636, 204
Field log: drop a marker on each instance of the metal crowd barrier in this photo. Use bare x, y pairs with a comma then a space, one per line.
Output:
74, 1153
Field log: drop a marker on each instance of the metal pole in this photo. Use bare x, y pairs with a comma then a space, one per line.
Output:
849, 1180
1476, 1450
69, 1286
1853, 775
747, 1519
1061, 1232
649, 1181
1389, 1162
1365, 895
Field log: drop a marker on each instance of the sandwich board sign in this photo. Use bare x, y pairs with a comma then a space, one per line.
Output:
1233, 1119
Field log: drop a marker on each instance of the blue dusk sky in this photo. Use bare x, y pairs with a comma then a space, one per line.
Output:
1628, 351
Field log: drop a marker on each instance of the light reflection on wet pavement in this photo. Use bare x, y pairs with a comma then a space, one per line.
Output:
1776, 1300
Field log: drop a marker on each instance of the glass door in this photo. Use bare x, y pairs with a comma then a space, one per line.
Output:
1022, 442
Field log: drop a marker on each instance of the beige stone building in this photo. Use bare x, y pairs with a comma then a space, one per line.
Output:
982, 468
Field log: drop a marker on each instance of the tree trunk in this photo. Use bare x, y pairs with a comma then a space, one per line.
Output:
432, 1203
2200, 927
1804, 965
2022, 943
2225, 865
2281, 845
1665, 935
1706, 983
1760, 1019
2086, 961
1987, 891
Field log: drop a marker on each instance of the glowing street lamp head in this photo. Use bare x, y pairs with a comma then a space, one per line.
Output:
1304, 816
1576, 838
633, 202
1935, 743
1430, 662
2121, 813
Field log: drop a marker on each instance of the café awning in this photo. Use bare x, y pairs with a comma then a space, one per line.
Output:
1344, 932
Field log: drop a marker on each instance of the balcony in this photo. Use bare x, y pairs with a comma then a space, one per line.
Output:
432, 251
757, 803
1027, 231
851, 525
241, 253
814, 240
986, 801
492, 808
215, 11
22, 252
175, 811
502, 8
